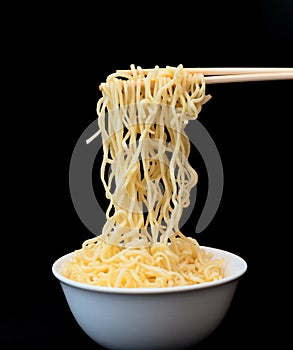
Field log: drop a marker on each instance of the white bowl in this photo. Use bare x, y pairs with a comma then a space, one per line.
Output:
154, 318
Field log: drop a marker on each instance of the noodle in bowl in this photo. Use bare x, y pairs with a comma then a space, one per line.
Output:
152, 318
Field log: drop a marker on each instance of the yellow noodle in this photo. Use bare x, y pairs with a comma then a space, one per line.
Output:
142, 118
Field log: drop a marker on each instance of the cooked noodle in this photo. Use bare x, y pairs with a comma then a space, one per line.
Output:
147, 180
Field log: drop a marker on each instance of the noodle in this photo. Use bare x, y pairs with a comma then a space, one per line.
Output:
147, 179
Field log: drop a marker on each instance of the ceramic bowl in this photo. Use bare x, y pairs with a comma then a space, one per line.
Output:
154, 318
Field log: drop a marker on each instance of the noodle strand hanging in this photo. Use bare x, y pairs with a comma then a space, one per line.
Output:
147, 180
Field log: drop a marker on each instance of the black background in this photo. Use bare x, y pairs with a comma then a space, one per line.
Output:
249, 122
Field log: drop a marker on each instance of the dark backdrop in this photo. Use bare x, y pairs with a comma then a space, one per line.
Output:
249, 122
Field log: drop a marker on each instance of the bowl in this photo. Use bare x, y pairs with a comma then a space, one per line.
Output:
152, 318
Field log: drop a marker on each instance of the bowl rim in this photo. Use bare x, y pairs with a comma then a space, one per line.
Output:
157, 290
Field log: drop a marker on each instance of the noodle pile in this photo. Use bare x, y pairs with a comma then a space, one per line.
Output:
147, 180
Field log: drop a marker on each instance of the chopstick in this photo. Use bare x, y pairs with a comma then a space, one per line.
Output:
237, 78
231, 75
222, 71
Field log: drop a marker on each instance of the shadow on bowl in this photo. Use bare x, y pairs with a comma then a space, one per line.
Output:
155, 318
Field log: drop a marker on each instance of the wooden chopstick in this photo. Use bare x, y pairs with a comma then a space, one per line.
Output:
222, 71
235, 78
230, 75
